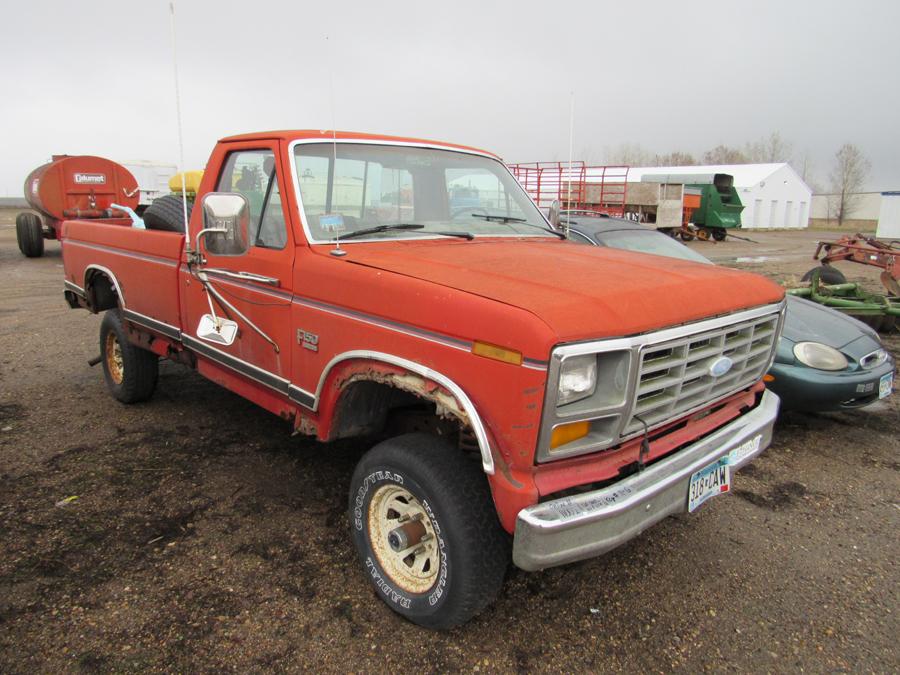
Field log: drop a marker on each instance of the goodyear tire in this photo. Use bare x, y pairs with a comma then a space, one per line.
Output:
130, 372
424, 525
827, 275
30, 235
167, 213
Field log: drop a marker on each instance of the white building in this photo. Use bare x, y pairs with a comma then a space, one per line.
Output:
773, 195
152, 178
889, 217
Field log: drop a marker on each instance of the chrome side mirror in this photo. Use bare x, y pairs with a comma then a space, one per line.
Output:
553, 215
226, 224
216, 329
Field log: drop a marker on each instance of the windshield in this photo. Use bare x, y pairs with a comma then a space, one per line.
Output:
381, 186
647, 241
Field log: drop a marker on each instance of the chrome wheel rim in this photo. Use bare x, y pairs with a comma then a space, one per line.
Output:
414, 567
114, 363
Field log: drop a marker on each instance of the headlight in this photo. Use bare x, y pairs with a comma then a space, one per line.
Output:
577, 378
874, 359
819, 356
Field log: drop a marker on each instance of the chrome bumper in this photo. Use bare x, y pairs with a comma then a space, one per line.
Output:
590, 524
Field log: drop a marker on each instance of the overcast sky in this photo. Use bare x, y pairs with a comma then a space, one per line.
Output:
95, 77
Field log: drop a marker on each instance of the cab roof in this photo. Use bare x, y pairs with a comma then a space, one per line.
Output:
327, 135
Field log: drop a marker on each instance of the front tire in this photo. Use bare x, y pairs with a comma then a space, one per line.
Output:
130, 372
424, 525
30, 235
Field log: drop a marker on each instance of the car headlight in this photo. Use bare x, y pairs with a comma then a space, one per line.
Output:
819, 356
577, 378
874, 359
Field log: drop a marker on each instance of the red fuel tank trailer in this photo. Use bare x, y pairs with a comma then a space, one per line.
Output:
73, 186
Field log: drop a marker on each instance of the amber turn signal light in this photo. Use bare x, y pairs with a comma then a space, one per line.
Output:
490, 351
566, 433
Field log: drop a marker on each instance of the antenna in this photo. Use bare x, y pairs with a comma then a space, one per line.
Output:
187, 238
338, 251
571, 146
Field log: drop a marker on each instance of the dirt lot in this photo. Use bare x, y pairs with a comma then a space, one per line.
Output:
204, 537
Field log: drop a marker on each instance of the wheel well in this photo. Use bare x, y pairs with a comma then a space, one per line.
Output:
382, 409
100, 291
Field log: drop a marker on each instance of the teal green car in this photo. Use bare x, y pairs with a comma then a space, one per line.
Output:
824, 361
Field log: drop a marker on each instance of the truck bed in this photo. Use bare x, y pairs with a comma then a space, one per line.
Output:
132, 259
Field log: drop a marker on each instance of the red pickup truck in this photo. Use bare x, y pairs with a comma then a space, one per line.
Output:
528, 396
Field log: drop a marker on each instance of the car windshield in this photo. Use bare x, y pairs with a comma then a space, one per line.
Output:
350, 187
647, 241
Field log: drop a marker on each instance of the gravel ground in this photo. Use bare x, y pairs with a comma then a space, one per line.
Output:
203, 537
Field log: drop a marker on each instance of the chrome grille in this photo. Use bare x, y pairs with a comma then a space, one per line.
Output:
673, 376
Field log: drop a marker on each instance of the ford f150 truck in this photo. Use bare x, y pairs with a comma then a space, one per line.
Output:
528, 396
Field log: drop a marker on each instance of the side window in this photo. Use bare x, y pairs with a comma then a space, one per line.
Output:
252, 174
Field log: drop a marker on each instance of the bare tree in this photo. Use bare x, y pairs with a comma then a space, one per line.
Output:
676, 158
771, 149
722, 154
851, 169
630, 154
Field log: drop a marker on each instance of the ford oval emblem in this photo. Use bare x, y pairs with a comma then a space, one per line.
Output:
720, 366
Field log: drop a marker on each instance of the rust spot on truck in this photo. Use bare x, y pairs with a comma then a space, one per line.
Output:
446, 405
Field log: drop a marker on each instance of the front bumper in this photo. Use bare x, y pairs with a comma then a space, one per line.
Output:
807, 389
590, 524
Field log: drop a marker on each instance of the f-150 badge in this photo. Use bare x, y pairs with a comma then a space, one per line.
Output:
309, 341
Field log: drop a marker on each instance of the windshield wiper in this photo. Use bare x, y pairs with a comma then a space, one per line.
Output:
511, 219
379, 228
501, 219
461, 235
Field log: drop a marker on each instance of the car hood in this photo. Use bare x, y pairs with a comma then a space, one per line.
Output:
807, 321
580, 292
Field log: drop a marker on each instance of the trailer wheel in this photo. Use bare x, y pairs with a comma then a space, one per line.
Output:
423, 522
718, 233
686, 236
130, 372
167, 213
827, 275
30, 235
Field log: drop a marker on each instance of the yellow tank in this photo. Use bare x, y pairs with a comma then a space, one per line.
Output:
191, 181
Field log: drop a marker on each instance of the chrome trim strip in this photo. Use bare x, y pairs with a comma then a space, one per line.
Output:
112, 278
149, 322
128, 254
487, 459
75, 288
302, 397
355, 141
264, 377
406, 329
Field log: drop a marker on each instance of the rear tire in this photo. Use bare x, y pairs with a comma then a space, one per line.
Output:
827, 275
30, 235
457, 569
719, 234
167, 213
131, 373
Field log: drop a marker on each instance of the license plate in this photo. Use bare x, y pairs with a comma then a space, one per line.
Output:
885, 385
709, 482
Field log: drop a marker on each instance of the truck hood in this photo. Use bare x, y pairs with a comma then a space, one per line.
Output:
580, 292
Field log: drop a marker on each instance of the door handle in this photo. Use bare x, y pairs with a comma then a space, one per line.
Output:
243, 276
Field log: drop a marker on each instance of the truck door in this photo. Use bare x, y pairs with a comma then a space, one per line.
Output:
254, 290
